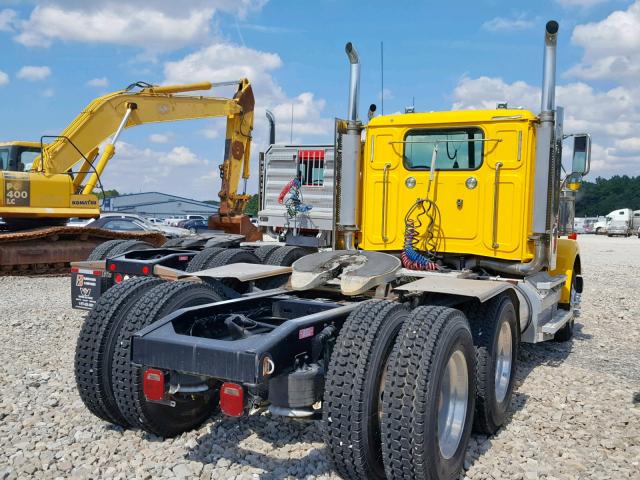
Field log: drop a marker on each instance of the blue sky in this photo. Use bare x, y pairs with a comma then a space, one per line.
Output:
58, 55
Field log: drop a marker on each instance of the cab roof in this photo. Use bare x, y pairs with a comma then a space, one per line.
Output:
20, 143
453, 117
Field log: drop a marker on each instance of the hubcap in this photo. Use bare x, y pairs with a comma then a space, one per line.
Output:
452, 407
503, 362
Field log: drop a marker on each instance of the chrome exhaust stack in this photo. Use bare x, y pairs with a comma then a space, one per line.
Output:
543, 198
348, 185
354, 82
272, 126
548, 103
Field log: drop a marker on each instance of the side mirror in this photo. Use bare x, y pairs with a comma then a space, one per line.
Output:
581, 154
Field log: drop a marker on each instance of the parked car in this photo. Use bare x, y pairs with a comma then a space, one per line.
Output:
189, 218
173, 221
78, 222
127, 222
195, 226
155, 221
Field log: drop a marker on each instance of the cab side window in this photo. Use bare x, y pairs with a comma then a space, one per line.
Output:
4, 158
27, 157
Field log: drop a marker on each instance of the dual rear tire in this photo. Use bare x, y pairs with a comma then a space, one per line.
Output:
429, 396
111, 248
405, 389
109, 386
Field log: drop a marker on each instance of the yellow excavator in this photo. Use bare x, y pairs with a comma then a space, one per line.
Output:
44, 184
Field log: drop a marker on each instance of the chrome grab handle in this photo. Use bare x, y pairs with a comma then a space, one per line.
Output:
496, 191
385, 194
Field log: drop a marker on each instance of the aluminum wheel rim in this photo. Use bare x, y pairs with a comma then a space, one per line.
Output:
381, 388
452, 408
503, 362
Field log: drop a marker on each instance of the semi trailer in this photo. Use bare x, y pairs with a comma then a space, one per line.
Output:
401, 332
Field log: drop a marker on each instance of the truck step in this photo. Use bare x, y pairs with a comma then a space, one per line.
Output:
559, 319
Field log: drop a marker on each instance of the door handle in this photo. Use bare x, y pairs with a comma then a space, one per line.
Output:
496, 192
385, 195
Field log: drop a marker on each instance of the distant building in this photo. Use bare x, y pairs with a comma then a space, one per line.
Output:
156, 204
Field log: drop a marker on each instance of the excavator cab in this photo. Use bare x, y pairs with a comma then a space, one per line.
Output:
18, 156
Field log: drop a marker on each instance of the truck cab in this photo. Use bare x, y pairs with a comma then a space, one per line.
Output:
481, 181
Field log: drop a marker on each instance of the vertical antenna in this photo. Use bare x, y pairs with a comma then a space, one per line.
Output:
381, 78
291, 134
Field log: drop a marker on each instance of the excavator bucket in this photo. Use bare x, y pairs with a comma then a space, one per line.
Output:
239, 224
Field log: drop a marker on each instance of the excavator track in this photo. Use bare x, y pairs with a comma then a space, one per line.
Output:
50, 250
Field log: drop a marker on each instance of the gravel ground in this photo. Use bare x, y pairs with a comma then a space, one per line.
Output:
573, 415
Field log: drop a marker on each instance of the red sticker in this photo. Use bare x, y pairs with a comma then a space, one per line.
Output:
305, 333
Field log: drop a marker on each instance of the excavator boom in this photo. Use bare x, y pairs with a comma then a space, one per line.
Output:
70, 166
61, 180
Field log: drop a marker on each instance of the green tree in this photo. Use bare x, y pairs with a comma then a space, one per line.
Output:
608, 194
107, 193
252, 206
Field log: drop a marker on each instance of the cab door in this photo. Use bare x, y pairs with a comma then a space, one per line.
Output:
383, 175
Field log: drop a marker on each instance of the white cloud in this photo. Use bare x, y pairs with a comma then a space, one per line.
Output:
135, 169
212, 132
7, 20
98, 82
501, 24
223, 61
180, 156
307, 116
611, 47
162, 25
160, 137
127, 25
628, 145
33, 74
4, 78
611, 116
48, 92
486, 92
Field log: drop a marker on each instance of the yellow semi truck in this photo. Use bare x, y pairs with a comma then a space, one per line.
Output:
403, 336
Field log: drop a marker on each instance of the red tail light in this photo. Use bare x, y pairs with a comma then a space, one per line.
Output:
145, 270
112, 267
118, 277
573, 236
232, 399
153, 384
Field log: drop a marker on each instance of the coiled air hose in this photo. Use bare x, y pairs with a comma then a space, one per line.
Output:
412, 257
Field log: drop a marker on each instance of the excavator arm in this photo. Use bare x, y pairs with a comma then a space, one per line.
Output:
106, 117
